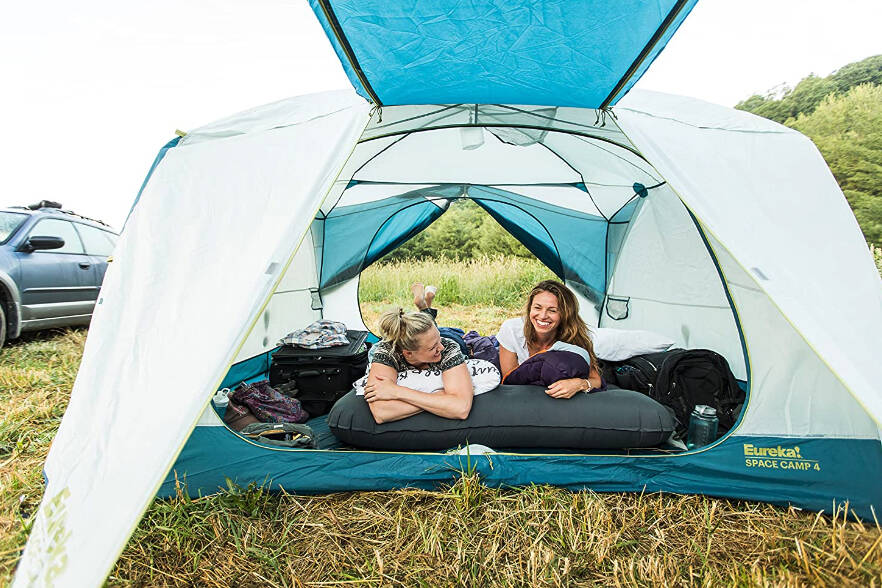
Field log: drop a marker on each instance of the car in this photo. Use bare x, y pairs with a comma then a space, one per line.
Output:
52, 263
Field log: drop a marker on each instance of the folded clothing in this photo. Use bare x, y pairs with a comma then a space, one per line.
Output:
319, 335
267, 404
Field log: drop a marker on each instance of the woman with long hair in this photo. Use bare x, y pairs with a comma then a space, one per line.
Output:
550, 315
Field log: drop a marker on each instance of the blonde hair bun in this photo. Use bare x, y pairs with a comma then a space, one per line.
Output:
402, 329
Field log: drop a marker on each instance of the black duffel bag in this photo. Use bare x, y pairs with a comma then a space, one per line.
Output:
682, 379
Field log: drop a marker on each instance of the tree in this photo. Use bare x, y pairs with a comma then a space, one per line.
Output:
464, 231
788, 103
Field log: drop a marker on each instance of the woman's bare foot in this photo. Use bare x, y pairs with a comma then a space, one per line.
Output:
419, 295
430, 295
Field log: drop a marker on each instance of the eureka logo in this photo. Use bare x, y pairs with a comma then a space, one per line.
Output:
771, 451
778, 458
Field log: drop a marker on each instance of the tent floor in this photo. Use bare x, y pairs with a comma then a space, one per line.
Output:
326, 440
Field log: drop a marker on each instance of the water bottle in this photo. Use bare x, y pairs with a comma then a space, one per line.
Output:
221, 400
703, 424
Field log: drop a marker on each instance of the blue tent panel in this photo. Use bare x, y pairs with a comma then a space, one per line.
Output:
526, 229
584, 53
355, 236
827, 470
572, 244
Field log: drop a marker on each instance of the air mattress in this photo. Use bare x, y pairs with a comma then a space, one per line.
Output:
514, 417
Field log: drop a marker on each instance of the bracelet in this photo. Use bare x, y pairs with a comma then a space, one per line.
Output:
589, 386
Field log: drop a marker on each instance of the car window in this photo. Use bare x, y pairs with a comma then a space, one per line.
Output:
53, 227
9, 221
97, 242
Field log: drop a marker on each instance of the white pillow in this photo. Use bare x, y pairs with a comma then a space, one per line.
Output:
485, 377
620, 344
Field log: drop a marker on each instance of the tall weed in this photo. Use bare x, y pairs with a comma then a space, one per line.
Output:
496, 281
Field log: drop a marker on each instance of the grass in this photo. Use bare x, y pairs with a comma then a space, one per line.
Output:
467, 534
492, 281
477, 294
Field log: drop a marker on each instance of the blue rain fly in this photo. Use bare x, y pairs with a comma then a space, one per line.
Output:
584, 53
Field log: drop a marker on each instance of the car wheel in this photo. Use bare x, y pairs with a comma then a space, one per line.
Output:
2, 324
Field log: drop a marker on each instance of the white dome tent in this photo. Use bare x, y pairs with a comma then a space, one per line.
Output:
712, 226
722, 252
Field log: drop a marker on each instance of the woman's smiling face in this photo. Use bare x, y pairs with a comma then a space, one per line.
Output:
429, 348
545, 314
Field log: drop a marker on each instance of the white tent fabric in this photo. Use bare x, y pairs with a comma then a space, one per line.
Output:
797, 393
189, 278
668, 275
735, 171
204, 275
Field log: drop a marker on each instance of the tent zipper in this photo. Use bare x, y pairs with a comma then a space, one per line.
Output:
662, 29
347, 49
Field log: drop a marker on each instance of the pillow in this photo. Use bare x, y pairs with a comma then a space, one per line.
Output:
485, 377
620, 344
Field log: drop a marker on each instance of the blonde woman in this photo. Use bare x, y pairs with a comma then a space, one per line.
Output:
410, 340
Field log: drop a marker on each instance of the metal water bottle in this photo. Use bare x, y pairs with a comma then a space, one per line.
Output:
703, 423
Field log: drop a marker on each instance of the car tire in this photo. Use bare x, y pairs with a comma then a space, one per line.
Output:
2, 324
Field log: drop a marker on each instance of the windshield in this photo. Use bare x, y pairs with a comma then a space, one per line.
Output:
9, 221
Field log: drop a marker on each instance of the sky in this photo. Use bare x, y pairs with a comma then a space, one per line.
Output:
92, 90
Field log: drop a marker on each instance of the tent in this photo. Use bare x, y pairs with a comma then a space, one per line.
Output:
712, 226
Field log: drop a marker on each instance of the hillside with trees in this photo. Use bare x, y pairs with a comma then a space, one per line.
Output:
842, 114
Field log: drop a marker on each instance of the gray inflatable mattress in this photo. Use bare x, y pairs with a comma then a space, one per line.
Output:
514, 417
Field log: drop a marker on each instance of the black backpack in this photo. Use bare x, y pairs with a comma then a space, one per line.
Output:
682, 379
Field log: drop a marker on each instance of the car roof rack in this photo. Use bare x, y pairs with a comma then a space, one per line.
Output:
56, 206
90, 219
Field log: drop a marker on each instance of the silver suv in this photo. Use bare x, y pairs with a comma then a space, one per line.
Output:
52, 263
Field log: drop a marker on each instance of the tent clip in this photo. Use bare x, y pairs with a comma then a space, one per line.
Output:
601, 114
378, 110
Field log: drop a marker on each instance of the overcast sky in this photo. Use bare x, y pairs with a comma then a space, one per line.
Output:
92, 90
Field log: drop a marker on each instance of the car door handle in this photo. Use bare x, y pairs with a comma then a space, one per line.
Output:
85, 264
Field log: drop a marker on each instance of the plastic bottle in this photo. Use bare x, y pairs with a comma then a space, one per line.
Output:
703, 424
221, 400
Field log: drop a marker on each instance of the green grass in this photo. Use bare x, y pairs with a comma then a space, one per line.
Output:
486, 281
36, 375
467, 534
477, 294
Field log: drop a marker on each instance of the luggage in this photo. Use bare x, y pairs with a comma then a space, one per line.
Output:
682, 379
318, 377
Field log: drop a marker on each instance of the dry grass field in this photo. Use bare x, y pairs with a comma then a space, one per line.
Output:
467, 534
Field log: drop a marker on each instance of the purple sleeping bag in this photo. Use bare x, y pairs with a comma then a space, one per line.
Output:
544, 369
